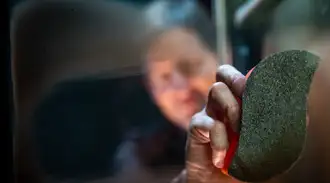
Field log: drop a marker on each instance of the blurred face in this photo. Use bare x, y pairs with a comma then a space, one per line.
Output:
180, 71
180, 87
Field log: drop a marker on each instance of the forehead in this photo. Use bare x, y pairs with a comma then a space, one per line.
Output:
177, 44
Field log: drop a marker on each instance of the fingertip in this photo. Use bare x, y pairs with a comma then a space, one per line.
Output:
238, 85
218, 158
227, 74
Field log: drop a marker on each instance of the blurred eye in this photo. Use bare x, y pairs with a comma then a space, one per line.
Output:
162, 80
189, 67
166, 77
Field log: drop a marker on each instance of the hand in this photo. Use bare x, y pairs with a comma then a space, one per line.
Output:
207, 140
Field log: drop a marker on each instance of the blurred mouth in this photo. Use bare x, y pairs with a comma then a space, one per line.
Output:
189, 107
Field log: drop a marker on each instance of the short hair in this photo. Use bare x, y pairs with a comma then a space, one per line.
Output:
187, 14
173, 35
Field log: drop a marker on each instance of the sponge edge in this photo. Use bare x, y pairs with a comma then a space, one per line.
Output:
273, 127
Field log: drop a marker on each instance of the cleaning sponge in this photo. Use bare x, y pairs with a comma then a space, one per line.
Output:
273, 125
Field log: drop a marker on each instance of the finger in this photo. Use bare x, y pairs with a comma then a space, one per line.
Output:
231, 77
198, 160
222, 102
219, 143
198, 157
200, 126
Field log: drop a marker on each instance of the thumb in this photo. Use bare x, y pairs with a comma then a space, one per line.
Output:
219, 143
198, 160
199, 153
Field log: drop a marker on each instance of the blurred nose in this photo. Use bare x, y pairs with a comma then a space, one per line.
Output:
179, 82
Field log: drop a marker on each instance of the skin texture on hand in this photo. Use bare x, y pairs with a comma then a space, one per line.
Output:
207, 141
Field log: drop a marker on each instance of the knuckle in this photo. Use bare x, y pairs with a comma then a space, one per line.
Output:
228, 72
218, 87
195, 119
201, 120
198, 136
196, 122
224, 67
199, 128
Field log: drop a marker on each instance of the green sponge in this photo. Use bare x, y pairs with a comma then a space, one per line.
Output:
273, 127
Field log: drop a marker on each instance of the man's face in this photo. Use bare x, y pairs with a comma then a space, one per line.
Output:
180, 87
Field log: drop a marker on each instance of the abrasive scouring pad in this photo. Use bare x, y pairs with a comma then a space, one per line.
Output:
273, 126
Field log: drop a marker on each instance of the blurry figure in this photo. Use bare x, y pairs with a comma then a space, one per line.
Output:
180, 65
84, 113
179, 71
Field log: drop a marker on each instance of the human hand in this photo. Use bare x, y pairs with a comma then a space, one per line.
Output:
207, 141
